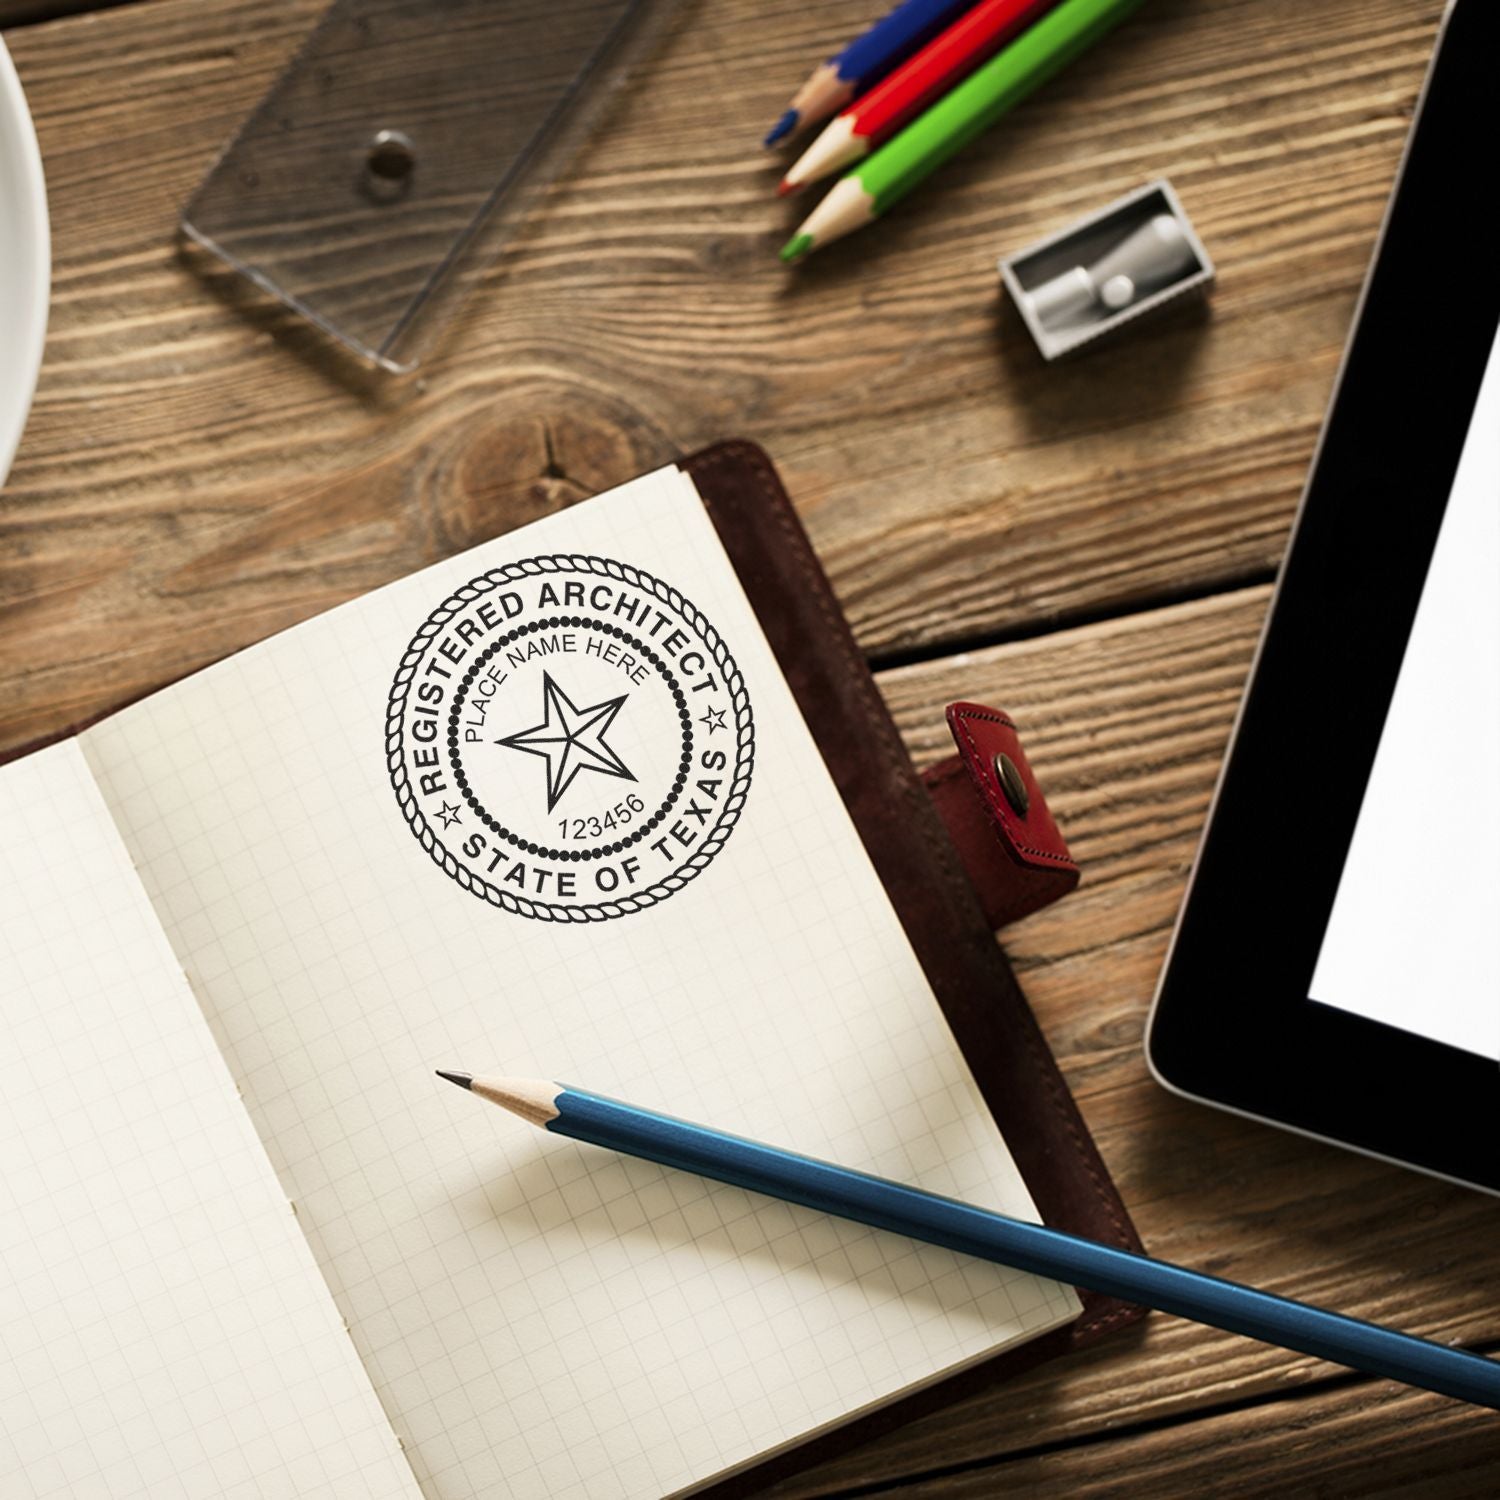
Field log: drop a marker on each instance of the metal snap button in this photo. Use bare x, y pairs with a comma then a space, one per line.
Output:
1012, 784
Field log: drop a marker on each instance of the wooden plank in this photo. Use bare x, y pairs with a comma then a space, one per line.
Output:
191, 480
1380, 1443
1125, 723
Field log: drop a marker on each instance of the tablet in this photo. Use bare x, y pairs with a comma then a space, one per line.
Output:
1336, 964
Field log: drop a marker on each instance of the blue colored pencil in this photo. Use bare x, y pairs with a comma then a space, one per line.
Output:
866, 60
820, 1185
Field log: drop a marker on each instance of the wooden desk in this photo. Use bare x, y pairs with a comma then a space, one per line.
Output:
1090, 546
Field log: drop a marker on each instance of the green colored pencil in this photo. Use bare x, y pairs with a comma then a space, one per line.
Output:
888, 175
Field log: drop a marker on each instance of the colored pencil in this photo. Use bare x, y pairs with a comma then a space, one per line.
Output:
899, 98
868, 58
969, 1230
887, 176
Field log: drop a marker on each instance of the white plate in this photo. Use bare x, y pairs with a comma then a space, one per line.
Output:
25, 261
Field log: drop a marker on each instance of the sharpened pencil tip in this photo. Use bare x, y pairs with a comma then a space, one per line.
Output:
782, 128
786, 187
463, 1080
796, 247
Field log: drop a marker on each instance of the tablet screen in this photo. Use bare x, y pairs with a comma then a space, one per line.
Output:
1413, 939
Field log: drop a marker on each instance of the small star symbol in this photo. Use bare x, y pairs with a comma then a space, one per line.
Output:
714, 719
449, 814
570, 739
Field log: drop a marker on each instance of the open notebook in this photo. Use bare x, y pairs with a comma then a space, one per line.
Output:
547, 808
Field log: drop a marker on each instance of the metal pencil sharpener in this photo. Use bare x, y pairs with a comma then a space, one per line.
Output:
1104, 271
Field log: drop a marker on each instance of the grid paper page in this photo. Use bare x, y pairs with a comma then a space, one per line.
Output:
164, 1332
541, 1318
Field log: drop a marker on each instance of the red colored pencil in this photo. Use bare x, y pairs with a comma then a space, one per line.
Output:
904, 94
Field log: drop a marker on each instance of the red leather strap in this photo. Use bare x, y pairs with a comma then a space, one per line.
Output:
1017, 859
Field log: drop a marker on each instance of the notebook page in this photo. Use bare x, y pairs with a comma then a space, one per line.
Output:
164, 1331
537, 1317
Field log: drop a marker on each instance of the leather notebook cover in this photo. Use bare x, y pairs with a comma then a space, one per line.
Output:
937, 905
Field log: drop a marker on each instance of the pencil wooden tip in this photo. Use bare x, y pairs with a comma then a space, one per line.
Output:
847, 206
463, 1080
838, 146
786, 187
534, 1099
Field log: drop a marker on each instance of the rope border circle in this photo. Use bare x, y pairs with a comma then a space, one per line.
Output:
617, 572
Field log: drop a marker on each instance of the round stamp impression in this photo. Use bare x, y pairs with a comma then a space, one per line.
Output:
570, 738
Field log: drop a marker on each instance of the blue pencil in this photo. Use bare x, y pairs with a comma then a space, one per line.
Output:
990, 1236
866, 60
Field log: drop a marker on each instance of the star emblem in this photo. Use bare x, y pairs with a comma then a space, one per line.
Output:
570, 739
448, 812
713, 719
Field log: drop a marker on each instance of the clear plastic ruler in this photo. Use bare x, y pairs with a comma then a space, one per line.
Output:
401, 148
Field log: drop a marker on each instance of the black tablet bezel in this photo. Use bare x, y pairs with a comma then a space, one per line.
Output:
1233, 1024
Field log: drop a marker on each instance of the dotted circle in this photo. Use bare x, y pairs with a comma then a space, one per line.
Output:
571, 622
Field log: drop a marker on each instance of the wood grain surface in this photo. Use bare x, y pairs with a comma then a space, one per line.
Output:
1088, 545
1388, 1444
193, 479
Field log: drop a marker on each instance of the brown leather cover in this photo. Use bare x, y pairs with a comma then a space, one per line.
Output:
1015, 856
937, 906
